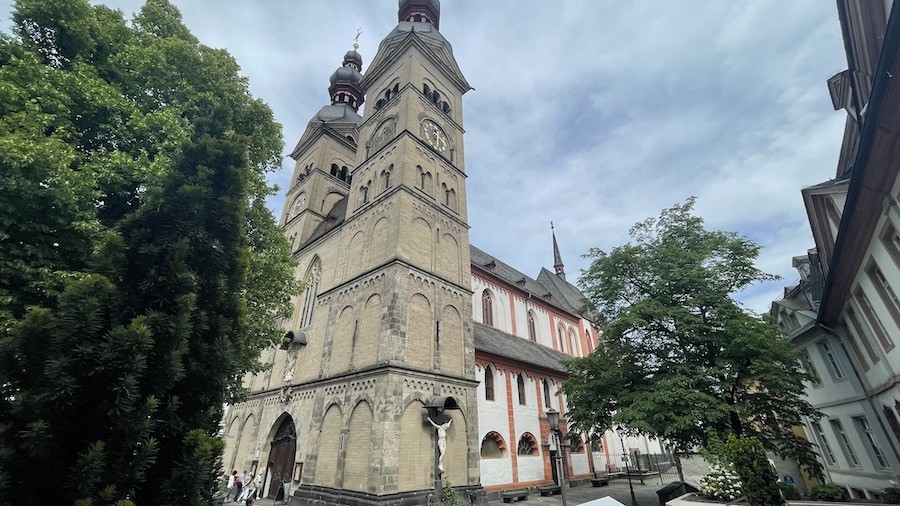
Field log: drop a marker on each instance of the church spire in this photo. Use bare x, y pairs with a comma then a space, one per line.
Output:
345, 81
557, 258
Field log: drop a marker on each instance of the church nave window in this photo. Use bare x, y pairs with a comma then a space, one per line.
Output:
577, 444
487, 308
493, 446
546, 394
532, 331
527, 445
488, 383
520, 386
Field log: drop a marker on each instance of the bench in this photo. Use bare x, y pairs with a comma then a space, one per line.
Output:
514, 495
549, 490
600, 482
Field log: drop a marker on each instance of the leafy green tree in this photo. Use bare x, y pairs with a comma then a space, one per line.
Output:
680, 358
140, 271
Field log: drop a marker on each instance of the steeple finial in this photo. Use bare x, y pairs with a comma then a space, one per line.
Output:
356, 39
557, 258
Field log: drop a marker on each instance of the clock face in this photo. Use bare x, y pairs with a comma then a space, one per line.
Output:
434, 136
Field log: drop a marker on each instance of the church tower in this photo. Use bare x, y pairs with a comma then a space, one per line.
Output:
385, 326
325, 155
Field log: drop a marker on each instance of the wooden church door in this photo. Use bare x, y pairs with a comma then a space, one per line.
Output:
281, 456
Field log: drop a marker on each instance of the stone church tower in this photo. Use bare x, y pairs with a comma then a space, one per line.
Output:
376, 214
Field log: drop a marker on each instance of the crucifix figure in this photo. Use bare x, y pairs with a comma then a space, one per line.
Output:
441, 427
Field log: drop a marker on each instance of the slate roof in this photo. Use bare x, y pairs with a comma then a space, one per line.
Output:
496, 342
333, 220
564, 293
503, 271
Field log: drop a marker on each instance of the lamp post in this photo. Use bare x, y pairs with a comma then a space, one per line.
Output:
553, 419
627, 469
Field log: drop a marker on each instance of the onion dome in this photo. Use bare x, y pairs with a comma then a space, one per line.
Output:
353, 59
345, 88
420, 11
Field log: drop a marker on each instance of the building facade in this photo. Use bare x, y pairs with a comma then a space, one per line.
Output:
844, 315
400, 312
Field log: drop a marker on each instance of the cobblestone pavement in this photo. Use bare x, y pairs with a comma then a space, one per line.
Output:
618, 490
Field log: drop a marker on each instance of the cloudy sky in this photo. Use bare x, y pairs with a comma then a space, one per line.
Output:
593, 114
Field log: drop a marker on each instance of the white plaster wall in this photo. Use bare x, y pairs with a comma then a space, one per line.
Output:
542, 326
527, 419
531, 468
541, 321
845, 414
829, 389
496, 471
580, 463
492, 415
502, 318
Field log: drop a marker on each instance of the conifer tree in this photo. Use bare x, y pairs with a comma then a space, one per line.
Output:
140, 271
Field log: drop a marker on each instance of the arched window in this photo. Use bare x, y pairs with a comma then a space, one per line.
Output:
573, 343
596, 443
532, 332
520, 384
493, 446
312, 287
451, 199
527, 445
487, 308
546, 394
488, 383
424, 180
560, 335
426, 90
386, 178
334, 170
364, 191
577, 443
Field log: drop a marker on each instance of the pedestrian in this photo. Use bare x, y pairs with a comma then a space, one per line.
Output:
231, 478
257, 484
239, 484
248, 490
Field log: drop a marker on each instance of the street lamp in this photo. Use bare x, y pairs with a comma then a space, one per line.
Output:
627, 469
553, 419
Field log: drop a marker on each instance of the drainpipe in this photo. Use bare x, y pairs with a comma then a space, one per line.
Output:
865, 389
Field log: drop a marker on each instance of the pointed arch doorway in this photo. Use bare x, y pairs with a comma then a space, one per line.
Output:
281, 456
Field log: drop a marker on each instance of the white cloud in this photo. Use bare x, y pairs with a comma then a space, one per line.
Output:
595, 114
